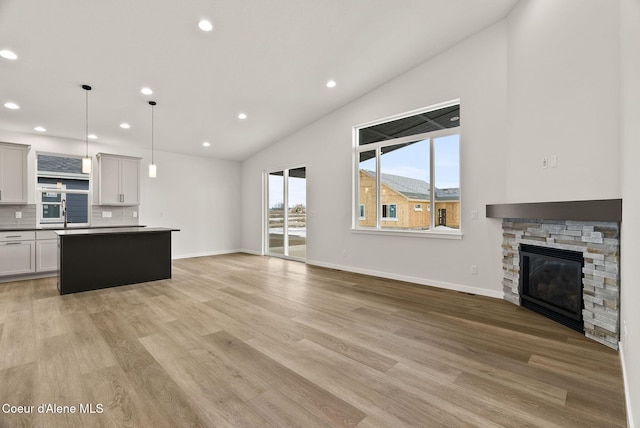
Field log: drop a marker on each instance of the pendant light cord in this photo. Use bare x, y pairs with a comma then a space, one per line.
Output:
86, 88
152, 104
86, 121
152, 134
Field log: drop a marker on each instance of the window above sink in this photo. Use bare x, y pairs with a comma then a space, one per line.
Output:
62, 191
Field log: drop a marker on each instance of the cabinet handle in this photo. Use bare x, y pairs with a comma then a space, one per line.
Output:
13, 236
13, 243
0, 195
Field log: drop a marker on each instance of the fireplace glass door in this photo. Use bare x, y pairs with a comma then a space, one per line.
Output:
551, 283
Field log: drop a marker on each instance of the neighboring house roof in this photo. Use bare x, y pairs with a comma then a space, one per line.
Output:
413, 188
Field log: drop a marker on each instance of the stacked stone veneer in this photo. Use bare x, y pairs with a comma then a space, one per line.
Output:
599, 242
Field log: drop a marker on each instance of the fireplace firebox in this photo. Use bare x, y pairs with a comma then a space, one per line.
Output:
551, 284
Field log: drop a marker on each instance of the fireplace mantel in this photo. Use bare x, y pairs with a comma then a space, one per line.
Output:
591, 210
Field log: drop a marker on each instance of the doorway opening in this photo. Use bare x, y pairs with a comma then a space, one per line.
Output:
286, 213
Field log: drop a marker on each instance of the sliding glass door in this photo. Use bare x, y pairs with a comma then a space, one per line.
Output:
286, 213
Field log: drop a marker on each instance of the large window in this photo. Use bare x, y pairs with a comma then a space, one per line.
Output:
62, 191
407, 172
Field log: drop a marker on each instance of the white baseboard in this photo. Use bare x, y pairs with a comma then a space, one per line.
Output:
253, 252
205, 254
625, 379
413, 279
24, 277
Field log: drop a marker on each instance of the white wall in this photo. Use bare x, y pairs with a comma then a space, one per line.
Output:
564, 82
630, 290
475, 72
199, 196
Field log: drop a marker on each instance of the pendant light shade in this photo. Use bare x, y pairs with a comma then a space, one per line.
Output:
152, 167
86, 161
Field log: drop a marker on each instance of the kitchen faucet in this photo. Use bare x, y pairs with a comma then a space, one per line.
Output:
63, 206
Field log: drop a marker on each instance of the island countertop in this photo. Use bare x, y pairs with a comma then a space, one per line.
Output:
113, 230
57, 228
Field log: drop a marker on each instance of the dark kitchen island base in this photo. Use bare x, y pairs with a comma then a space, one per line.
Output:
90, 259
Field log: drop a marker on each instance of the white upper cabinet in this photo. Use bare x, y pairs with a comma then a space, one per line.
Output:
13, 173
119, 180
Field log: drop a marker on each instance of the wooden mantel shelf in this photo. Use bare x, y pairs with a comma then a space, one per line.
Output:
592, 210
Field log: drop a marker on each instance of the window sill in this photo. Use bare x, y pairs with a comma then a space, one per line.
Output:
437, 234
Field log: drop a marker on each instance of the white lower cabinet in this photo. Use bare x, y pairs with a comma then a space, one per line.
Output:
46, 251
24, 252
46, 255
17, 257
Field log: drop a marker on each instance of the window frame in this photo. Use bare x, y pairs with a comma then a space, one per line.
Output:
42, 189
48, 188
377, 147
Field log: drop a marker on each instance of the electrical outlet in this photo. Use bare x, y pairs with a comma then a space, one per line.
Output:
344, 253
135, 214
474, 269
18, 214
106, 214
553, 161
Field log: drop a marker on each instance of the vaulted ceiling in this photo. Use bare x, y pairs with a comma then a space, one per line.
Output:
268, 59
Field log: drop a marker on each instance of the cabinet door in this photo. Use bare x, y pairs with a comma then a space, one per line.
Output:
130, 179
46, 255
109, 191
17, 257
13, 174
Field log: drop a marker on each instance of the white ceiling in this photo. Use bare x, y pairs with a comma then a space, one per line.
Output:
269, 59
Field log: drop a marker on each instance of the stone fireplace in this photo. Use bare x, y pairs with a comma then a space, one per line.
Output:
598, 241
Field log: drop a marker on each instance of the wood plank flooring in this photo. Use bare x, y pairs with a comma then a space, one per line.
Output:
247, 341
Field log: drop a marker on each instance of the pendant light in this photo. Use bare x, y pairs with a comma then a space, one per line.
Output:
86, 161
152, 166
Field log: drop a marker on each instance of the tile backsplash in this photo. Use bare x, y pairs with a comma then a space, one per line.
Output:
8, 218
102, 215
115, 216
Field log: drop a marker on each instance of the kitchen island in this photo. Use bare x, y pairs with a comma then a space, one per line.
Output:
90, 259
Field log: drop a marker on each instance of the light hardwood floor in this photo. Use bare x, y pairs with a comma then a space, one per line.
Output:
241, 340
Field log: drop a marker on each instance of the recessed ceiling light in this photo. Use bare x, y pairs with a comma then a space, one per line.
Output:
146, 91
40, 129
331, 84
205, 25
242, 116
92, 136
7, 54
12, 106
125, 125
206, 144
